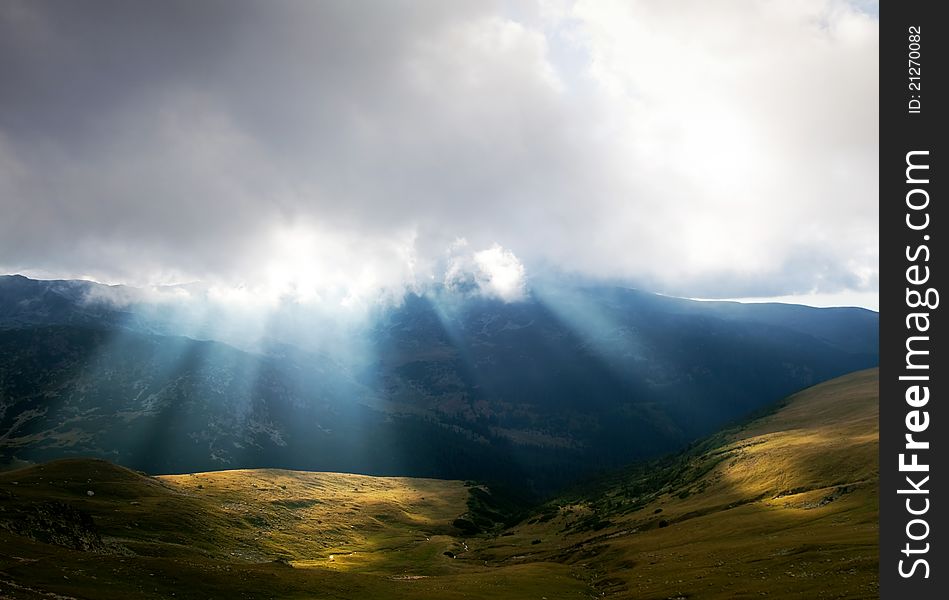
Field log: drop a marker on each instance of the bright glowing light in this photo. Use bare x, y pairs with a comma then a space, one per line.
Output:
299, 265
311, 265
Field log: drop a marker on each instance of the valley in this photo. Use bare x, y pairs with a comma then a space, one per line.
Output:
785, 501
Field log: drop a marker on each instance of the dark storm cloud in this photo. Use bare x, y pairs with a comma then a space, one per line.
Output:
235, 141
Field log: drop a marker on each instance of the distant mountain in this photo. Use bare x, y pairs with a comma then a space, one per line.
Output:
25, 302
569, 381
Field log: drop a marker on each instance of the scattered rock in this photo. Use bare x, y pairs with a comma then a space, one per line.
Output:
837, 493
56, 523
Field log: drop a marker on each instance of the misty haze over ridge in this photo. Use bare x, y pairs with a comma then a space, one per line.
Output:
249, 321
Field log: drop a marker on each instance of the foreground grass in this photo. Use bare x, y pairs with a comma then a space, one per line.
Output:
784, 507
247, 534
334, 520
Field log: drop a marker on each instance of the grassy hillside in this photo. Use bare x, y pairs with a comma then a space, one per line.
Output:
244, 534
784, 506
334, 520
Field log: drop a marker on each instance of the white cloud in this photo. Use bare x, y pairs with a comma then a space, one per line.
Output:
502, 273
493, 272
321, 150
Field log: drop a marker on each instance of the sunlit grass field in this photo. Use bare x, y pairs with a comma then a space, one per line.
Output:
784, 506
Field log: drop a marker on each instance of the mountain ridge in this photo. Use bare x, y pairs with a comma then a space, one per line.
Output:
564, 383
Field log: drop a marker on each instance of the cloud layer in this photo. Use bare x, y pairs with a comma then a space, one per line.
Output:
713, 149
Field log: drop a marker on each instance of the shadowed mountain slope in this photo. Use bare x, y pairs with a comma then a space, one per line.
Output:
565, 383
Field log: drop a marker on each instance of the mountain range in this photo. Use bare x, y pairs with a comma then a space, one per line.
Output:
567, 382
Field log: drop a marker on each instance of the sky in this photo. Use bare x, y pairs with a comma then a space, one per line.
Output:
334, 151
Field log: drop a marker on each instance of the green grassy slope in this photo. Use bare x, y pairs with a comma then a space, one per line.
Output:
244, 534
784, 506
